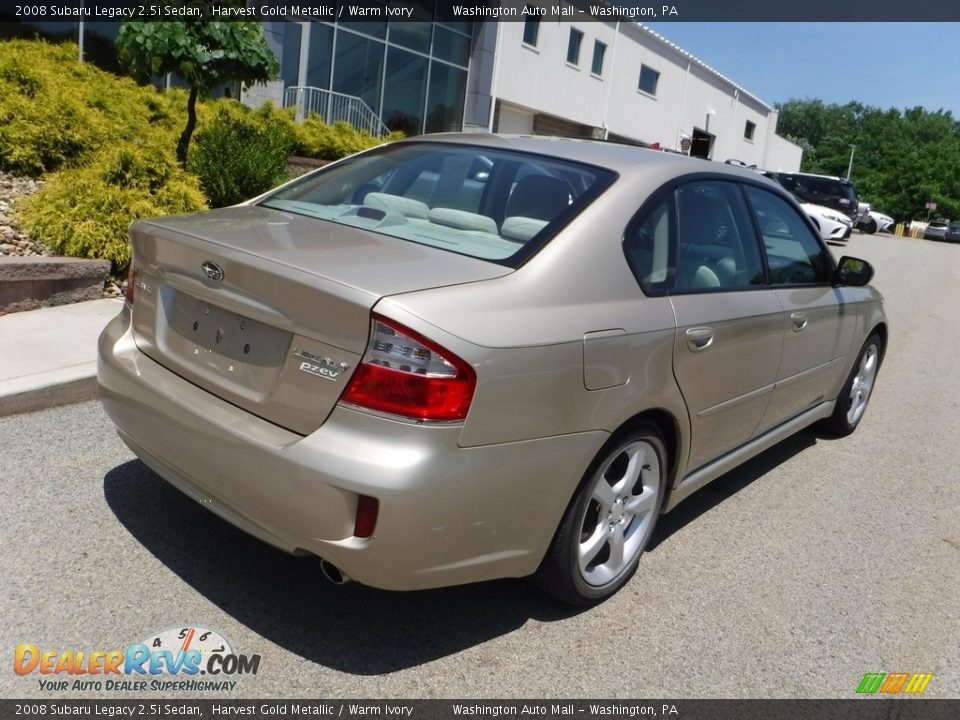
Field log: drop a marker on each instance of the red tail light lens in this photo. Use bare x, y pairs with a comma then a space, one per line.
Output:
130, 292
404, 373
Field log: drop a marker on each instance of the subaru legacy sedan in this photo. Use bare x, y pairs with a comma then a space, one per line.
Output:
468, 357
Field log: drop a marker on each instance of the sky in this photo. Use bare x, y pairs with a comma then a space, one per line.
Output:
880, 64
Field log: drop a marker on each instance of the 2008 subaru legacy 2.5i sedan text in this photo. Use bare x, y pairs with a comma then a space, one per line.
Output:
469, 357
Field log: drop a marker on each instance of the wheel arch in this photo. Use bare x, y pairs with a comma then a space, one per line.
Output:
674, 440
881, 329
550, 576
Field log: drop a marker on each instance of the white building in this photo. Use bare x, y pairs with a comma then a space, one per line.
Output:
618, 80
437, 72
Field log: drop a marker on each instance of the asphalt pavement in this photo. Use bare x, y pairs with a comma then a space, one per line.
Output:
792, 576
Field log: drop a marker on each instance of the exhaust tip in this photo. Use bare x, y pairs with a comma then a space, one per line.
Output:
332, 573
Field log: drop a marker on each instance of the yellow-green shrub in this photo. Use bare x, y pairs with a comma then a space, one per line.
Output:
87, 211
57, 112
109, 144
316, 139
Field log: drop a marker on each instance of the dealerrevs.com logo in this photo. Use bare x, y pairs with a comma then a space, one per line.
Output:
179, 659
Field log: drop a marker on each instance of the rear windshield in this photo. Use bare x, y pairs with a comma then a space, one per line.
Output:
494, 205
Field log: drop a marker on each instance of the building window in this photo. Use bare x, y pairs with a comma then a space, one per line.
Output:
358, 68
412, 34
404, 91
749, 130
320, 59
290, 65
573, 47
599, 50
648, 80
531, 30
445, 95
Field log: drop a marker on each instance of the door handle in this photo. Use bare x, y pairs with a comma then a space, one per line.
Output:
799, 321
699, 338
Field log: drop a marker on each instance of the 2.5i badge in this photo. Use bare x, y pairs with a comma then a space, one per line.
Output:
320, 366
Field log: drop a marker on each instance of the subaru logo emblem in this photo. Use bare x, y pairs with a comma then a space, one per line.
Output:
212, 270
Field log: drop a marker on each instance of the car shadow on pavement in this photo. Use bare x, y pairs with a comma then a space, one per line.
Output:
350, 628
354, 628
729, 484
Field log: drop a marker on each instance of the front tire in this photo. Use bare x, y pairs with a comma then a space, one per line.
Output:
853, 399
870, 226
609, 521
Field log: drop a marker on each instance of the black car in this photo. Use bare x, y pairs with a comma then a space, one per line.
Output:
831, 192
953, 232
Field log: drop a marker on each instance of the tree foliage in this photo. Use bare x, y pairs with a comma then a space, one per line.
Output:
903, 158
205, 54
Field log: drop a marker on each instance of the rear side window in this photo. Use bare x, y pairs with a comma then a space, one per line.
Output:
794, 255
697, 239
489, 204
651, 251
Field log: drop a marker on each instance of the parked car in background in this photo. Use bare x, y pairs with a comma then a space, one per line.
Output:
829, 191
877, 222
833, 225
863, 211
467, 357
953, 232
936, 230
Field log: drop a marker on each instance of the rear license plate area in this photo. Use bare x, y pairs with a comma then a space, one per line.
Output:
210, 334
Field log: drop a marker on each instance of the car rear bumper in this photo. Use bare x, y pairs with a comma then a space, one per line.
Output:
448, 515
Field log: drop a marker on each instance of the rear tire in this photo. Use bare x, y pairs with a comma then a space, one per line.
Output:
609, 521
853, 398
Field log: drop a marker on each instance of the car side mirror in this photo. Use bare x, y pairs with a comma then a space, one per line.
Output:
853, 271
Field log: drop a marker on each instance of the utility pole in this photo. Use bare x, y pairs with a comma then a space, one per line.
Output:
850, 166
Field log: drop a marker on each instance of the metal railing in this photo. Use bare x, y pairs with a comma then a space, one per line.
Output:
334, 107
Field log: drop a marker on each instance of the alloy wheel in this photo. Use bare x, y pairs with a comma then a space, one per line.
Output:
621, 512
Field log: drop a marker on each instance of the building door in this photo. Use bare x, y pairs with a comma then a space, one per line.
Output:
701, 144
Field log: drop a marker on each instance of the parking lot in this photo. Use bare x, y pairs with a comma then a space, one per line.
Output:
792, 576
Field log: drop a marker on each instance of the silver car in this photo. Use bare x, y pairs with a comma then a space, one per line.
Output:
469, 357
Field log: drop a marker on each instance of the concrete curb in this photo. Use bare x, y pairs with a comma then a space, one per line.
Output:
48, 396
48, 357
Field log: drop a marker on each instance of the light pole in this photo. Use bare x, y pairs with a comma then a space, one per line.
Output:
850, 166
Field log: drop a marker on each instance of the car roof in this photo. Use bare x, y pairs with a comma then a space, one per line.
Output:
815, 175
622, 158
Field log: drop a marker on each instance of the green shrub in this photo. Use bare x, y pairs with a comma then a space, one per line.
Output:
316, 139
110, 143
238, 157
87, 211
57, 112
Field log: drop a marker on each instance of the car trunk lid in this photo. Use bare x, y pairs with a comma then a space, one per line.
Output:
271, 311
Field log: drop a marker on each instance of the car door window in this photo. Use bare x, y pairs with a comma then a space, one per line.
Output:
651, 250
717, 249
794, 255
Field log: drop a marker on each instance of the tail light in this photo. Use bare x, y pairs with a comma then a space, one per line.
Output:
131, 289
403, 373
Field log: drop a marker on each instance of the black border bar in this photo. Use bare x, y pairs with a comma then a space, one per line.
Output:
862, 11
865, 708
